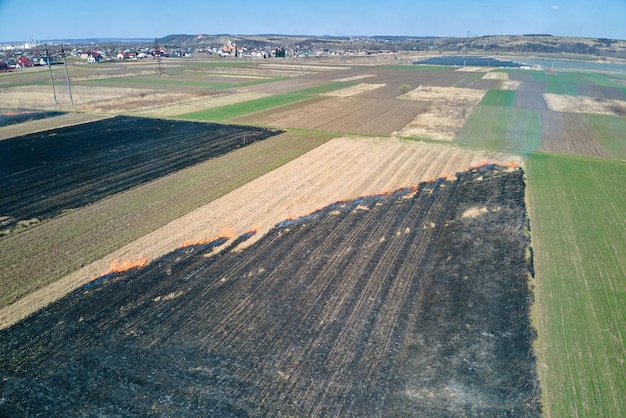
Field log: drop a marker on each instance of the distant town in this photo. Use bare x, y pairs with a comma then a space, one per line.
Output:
32, 53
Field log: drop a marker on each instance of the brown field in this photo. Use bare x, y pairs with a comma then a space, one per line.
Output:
358, 115
341, 169
569, 133
530, 100
610, 93
531, 86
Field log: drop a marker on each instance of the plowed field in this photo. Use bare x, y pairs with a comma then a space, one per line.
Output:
569, 133
390, 305
366, 116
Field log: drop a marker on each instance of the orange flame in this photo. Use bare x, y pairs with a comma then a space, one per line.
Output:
227, 233
124, 265
484, 163
510, 164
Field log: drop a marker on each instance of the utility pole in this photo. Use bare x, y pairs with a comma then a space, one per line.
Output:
51, 78
67, 76
157, 55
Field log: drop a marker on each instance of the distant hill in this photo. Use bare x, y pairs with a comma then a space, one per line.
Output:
531, 43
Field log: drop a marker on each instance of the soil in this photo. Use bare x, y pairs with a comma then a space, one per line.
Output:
359, 115
530, 100
569, 133
389, 305
606, 93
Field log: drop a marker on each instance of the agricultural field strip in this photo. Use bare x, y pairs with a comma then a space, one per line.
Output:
40, 125
449, 110
576, 206
216, 85
355, 114
232, 111
351, 91
12, 117
66, 243
297, 188
115, 163
356, 77
570, 133
494, 127
307, 65
583, 104
171, 110
95, 99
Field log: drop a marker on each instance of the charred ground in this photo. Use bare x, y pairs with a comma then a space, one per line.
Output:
412, 301
46, 173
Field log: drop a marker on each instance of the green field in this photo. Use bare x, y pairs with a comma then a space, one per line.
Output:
224, 113
499, 98
495, 127
578, 232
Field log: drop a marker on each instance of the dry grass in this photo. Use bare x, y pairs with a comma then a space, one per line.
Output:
303, 66
351, 91
496, 76
510, 85
98, 100
469, 69
583, 104
449, 109
356, 77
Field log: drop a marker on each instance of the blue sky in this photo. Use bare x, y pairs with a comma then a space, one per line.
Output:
21, 20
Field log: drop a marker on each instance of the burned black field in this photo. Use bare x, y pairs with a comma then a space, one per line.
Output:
408, 304
13, 116
46, 173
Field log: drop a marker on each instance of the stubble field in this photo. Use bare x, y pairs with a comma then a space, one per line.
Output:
194, 216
